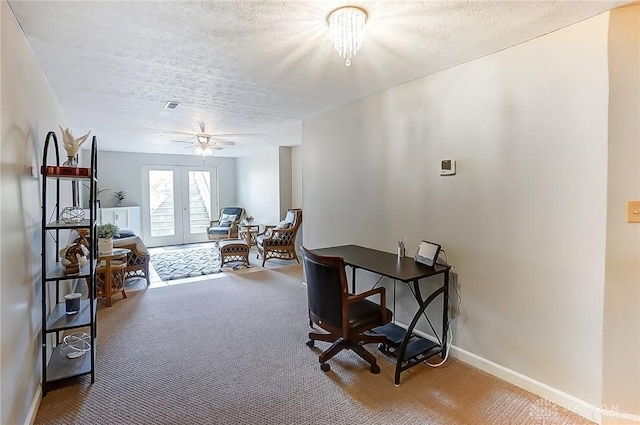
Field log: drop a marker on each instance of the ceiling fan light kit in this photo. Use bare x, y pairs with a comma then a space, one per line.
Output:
206, 143
203, 150
346, 29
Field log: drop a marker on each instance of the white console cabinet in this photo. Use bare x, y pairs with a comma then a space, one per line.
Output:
123, 217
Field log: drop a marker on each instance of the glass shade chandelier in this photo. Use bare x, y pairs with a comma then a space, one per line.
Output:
204, 146
346, 29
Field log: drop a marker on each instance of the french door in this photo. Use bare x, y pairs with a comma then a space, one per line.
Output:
178, 203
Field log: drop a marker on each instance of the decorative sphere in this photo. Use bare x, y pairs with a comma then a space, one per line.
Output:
72, 215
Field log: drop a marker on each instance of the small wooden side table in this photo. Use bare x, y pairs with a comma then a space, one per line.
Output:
249, 232
111, 273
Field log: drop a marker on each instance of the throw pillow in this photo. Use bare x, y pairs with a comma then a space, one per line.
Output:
283, 225
228, 217
225, 224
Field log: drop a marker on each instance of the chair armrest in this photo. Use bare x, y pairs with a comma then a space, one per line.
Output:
365, 294
277, 236
369, 293
212, 222
267, 228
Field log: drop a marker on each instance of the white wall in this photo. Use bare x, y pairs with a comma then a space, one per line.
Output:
523, 221
123, 171
29, 110
621, 349
286, 175
296, 188
296, 177
258, 177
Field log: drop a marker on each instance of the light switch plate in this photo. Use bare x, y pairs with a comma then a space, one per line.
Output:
633, 211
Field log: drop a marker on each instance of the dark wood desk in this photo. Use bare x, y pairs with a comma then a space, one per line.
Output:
411, 351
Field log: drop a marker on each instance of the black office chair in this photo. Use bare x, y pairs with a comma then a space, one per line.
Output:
344, 316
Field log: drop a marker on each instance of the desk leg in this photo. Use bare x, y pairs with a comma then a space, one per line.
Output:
405, 341
353, 280
445, 315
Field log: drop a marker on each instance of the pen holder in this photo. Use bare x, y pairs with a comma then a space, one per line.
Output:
400, 251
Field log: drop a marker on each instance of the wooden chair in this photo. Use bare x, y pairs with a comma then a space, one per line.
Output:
138, 259
226, 226
280, 241
345, 317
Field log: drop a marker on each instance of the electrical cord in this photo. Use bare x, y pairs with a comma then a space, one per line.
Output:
449, 332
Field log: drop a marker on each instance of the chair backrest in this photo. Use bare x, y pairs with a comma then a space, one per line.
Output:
326, 286
237, 211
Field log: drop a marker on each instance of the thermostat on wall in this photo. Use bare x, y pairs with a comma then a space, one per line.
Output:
447, 167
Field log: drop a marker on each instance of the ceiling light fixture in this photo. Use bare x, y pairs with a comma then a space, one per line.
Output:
204, 147
346, 29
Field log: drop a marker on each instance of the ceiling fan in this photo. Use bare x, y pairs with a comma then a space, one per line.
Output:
206, 143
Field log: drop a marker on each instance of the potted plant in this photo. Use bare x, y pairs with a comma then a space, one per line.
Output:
106, 232
119, 195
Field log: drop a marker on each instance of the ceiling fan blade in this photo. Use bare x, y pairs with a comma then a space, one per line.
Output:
216, 147
223, 142
202, 127
184, 133
235, 134
183, 141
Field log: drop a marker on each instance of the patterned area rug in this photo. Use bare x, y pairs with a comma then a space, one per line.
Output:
183, 263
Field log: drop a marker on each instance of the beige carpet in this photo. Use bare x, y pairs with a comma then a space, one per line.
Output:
232, 350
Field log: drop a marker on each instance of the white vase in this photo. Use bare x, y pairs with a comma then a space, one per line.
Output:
105, 246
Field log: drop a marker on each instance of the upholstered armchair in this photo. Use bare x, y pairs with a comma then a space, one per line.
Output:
226, 226
280, 241
138, 259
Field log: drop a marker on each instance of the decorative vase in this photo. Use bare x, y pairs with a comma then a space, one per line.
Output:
105, 246
72, 161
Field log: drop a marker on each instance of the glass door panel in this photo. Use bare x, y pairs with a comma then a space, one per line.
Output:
198, 205
178, 204
161, 203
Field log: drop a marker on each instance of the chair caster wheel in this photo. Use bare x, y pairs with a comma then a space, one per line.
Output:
325, 367
375, 369
382, 347
311, 343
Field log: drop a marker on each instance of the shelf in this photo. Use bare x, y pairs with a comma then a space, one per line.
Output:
58, 272
60, 367
55, 321
66, 173
393, 332
84, 224
59, 320
417, 347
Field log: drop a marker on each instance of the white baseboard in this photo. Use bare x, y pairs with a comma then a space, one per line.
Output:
580, 407
35, 405
567, 401
620, 415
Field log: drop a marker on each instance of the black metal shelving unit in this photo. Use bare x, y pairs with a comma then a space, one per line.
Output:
55, 364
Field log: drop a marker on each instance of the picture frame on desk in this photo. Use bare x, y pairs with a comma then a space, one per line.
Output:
427, 253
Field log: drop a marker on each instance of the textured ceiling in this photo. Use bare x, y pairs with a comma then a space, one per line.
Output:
254, 68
